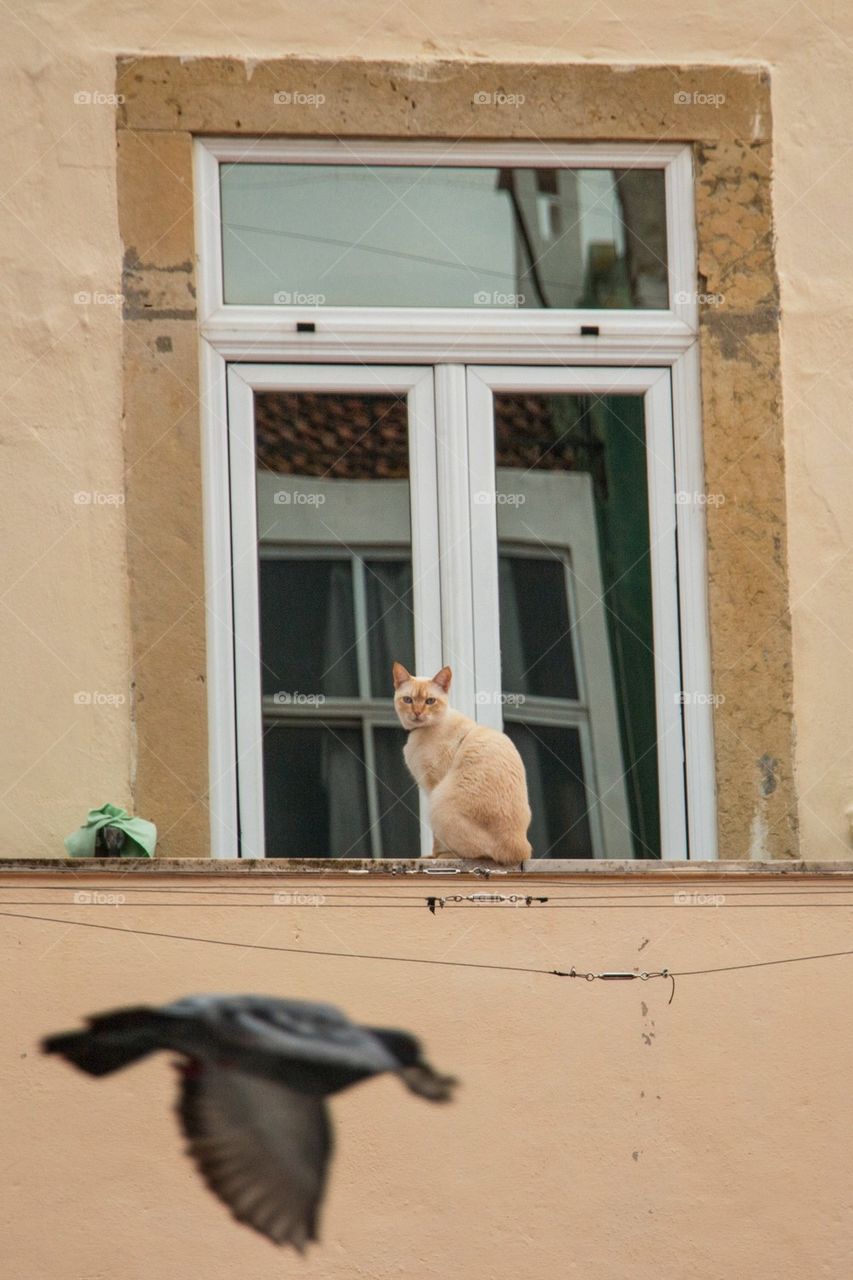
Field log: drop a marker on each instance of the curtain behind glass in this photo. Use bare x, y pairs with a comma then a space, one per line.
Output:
391, 637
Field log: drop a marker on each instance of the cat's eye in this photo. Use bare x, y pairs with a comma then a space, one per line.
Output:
407, 699
430, 701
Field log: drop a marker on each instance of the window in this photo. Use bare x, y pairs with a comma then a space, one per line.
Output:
410, 472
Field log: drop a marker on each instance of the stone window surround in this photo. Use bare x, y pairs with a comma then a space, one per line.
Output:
165, 101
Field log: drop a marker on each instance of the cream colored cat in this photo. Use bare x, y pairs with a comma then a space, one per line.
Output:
473, 775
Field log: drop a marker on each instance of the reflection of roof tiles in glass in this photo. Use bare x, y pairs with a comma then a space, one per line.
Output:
356, 437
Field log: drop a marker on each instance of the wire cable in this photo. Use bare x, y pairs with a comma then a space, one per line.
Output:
672, 974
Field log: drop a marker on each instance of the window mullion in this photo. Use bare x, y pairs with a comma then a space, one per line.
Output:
482, 486
426, 547
372, 790
362, 656
426, 552
454, 518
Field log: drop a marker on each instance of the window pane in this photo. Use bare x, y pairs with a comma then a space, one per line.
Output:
333, 436
333, 503
390, 620
356, 235
315, 793
307, 628
571, 480
536, 637
558, 798
397, 794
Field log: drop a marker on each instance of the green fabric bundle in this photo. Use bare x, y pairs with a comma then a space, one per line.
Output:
140, 836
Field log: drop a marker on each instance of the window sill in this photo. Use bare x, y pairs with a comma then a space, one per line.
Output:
427, 869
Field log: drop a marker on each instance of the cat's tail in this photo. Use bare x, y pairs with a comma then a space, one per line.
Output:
512, 853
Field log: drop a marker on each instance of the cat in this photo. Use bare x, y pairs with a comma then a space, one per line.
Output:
473, 775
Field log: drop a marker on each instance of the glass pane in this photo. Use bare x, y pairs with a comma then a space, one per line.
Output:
315, 793
307, 650
571, 488
555, 780
406, 236
397, 795
333, 505
536, 637
390, 619
331, 435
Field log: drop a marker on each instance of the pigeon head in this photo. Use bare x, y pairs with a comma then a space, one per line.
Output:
414, 1070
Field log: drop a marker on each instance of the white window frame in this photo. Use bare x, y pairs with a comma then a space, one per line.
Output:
637, 341
416, 383
654, 386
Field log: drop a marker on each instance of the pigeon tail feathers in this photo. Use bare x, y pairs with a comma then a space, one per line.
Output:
112, 1041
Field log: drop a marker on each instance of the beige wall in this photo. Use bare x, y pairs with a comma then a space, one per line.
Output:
599, 1133
65, 616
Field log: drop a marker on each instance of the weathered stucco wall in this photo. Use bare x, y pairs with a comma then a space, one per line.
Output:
66, 614
599, 1132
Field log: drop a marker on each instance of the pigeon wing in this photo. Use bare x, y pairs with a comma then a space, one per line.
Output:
261, 1147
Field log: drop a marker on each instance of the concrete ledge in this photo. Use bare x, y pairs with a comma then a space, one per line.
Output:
427, 870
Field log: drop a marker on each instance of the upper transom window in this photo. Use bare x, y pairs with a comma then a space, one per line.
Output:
444, 236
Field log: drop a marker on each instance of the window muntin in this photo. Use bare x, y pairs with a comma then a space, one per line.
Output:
444, 236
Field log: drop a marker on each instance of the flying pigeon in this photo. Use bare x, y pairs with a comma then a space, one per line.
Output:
254, 1075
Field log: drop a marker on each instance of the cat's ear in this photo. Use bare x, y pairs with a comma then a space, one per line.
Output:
443, 679
400, 674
